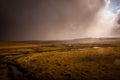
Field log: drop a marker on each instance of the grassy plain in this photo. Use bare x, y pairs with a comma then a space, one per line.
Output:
78, 61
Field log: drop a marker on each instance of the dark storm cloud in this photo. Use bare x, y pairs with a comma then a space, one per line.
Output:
46, 19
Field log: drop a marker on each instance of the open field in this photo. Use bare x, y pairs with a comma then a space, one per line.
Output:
97, 60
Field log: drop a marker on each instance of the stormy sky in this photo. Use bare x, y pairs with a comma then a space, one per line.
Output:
52, 19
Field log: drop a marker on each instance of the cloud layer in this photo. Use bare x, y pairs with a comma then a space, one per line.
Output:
47, 19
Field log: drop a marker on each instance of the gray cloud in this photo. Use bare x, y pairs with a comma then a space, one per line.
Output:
47, 19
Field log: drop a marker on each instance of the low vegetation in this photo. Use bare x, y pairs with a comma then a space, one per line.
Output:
86, 64
88, 61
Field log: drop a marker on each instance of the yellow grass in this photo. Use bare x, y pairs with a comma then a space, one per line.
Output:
85, 64
88, 61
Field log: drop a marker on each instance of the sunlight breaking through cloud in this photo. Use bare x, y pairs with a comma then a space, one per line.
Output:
103, 22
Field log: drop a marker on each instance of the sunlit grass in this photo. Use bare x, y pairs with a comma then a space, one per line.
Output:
84, 61
87, 64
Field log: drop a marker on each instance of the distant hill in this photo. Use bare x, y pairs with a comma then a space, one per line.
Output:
81, 40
